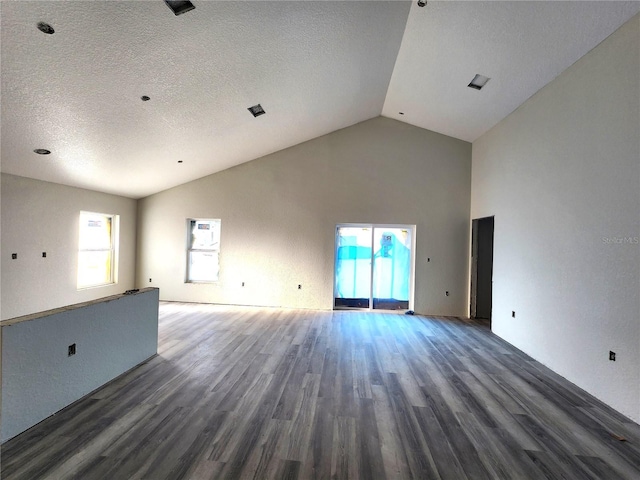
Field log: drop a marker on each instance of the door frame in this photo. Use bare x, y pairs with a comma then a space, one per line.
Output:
412, 262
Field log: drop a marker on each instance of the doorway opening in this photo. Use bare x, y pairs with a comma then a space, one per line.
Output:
481, 268
374, 267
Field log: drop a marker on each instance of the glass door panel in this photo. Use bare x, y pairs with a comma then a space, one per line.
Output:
391, 268
374, 267
353, 267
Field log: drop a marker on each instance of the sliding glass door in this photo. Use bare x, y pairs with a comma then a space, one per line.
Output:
391, 268
374, 267
353, 267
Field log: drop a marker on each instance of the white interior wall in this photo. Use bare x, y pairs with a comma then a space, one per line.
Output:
112, 335
562, 176
279, 215
43, 217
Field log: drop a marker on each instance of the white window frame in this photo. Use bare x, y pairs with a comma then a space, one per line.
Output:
113, 250
213, 280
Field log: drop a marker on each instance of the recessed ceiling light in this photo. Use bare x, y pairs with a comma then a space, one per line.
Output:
257, 110
46, 28
145, 98
422, 3
42, 151
401, 113
178, 7
179, 161
478, 82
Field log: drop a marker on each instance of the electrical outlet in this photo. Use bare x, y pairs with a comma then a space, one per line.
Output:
14, 256
44, 254
447, 293
612, 356
243, 284
299, 287
513, 314
72, 349
428, 260
149, 280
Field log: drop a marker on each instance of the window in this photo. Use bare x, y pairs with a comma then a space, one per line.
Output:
203, 250
97, 249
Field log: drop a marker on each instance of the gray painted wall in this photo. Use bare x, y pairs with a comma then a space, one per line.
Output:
43, 217
279, 215
112, 335
562, 176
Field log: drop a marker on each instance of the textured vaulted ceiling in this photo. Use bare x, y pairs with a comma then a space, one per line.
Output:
520, 45
315, 67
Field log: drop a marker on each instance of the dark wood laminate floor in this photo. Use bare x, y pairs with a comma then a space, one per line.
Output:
285, 394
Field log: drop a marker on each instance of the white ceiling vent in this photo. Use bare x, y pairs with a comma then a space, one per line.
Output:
478, 82
179, 7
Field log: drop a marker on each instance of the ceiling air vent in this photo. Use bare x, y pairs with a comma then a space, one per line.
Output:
178, 7
478, 82
257, 110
